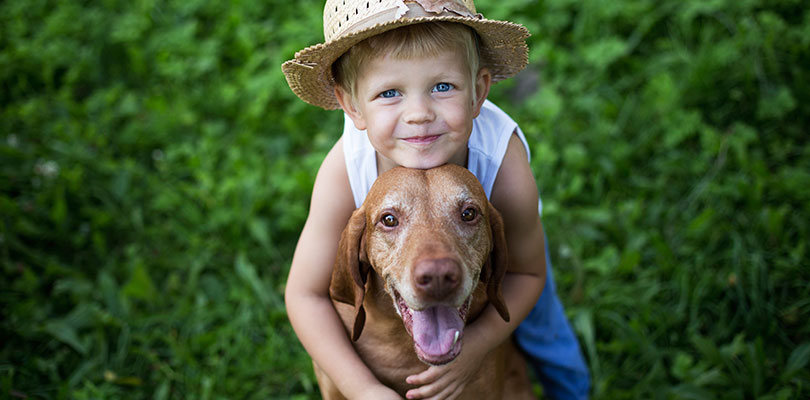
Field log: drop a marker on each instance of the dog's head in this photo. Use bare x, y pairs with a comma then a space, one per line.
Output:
431, 235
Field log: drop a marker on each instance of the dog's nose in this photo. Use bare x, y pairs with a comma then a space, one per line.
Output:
437, 279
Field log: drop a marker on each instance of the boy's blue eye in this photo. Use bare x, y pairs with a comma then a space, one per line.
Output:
389, 93
442, 87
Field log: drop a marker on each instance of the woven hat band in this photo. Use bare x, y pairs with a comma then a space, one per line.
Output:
410, 10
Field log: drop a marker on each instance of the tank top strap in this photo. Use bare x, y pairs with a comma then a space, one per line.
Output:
488, 142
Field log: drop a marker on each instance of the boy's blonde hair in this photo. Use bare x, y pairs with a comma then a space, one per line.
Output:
424, 39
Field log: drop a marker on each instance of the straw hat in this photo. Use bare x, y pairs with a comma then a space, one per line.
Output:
347, 22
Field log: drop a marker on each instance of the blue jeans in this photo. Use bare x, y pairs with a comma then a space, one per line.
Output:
551, 348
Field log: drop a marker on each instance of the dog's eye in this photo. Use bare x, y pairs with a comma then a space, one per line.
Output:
389, 220
468, 214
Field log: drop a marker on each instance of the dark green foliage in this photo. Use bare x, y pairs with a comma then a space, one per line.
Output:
155, 171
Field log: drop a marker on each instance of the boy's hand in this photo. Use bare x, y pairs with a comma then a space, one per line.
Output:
446, 381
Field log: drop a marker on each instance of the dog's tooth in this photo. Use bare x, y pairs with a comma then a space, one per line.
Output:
455, 339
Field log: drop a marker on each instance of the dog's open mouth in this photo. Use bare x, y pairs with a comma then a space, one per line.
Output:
436, 330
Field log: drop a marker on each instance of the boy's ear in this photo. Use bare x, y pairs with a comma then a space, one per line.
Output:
482, 84
348, 106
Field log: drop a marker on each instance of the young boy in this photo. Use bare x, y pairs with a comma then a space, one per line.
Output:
414, 76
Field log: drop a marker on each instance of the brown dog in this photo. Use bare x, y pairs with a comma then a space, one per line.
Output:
422, 256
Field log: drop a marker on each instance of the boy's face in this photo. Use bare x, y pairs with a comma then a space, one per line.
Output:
418, 112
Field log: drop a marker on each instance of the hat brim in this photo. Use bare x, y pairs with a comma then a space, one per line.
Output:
503, 51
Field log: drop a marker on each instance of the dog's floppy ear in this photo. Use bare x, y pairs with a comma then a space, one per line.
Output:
351, 270
495, 267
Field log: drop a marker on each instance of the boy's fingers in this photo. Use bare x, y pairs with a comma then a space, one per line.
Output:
428, 383
434, 391
414, 394
427, 376
423, 392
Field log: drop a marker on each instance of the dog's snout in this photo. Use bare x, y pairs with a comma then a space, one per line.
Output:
437, 279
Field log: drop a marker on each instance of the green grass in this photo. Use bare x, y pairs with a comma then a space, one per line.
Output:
155, 172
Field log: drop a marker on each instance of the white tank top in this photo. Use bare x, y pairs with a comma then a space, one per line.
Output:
486, 148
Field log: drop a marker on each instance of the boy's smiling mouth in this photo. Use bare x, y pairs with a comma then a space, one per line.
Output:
421, 139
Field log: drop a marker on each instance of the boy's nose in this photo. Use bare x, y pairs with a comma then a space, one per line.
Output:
418, 111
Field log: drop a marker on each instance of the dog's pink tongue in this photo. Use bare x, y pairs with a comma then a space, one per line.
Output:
434, 329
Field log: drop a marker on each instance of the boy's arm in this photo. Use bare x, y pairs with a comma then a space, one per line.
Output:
309, 307
514, 194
